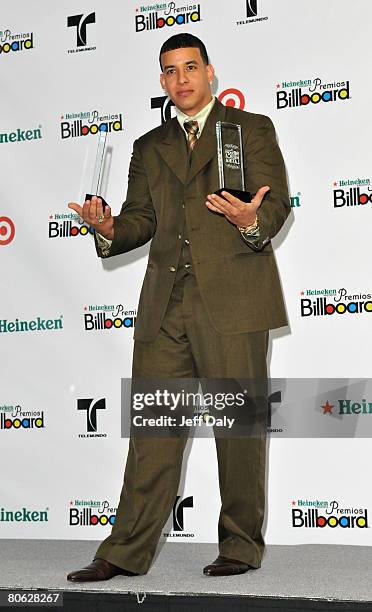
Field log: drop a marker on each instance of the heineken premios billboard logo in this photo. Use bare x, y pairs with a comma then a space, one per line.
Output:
158, 15
75, 125
328, 302
101, 317
68, 225
14, 417
323, 514
11, 42
90, 513
310, 92
352, 192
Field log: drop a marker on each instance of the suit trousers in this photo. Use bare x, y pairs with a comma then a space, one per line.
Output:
187, 346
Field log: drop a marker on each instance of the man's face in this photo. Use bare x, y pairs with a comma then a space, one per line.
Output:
186, 79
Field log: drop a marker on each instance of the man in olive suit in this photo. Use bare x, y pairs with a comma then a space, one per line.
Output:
210, 294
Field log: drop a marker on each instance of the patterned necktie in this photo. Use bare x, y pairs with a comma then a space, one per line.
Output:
192, 128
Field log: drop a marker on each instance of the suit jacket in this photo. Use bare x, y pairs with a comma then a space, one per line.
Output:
239, 286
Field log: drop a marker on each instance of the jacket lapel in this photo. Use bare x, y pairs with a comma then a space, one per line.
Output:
173, 149
206, 147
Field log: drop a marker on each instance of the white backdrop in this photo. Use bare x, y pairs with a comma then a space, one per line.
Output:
54, 469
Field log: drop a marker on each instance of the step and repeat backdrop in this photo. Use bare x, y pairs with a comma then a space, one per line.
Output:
71, 69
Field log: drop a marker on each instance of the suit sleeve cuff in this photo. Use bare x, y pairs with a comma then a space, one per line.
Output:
103, 245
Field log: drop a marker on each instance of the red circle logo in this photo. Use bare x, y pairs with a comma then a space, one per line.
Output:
232, 97
7, 230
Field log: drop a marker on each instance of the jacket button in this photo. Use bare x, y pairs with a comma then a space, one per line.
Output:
187, 241
179, 236
172, 269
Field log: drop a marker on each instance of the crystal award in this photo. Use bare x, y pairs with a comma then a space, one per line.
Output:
230, 160
98, 168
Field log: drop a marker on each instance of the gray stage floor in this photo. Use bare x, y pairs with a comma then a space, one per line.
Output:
310, 571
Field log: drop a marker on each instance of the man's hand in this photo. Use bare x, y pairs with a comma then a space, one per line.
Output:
91, 212
239, 213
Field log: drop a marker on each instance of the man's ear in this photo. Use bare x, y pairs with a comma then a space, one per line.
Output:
162, 81
210, 73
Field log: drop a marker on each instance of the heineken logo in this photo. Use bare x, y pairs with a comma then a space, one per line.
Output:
38, 324
24, 515
21, 135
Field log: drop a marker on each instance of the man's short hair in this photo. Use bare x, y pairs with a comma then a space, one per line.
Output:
181, 41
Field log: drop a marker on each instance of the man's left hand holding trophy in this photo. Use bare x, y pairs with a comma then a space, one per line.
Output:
92, 213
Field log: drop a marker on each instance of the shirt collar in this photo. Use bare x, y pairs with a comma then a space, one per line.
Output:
200, 117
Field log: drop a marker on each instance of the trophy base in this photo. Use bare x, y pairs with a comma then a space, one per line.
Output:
244, 196
89, 196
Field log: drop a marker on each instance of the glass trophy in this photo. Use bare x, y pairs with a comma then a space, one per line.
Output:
98, 168
230, 160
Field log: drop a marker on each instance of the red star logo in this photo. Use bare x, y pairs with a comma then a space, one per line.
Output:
327, 407
71, 503
335, 184
85, 308
50, 216
293, 503
302, 293
61, 116
278, 85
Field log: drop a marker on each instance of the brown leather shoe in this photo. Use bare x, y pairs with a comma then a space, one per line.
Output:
223, 566
99, 569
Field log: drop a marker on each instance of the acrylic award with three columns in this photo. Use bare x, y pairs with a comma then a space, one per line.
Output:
98, 167
230, 160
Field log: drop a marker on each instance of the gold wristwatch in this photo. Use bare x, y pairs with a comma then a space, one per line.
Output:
249, 229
